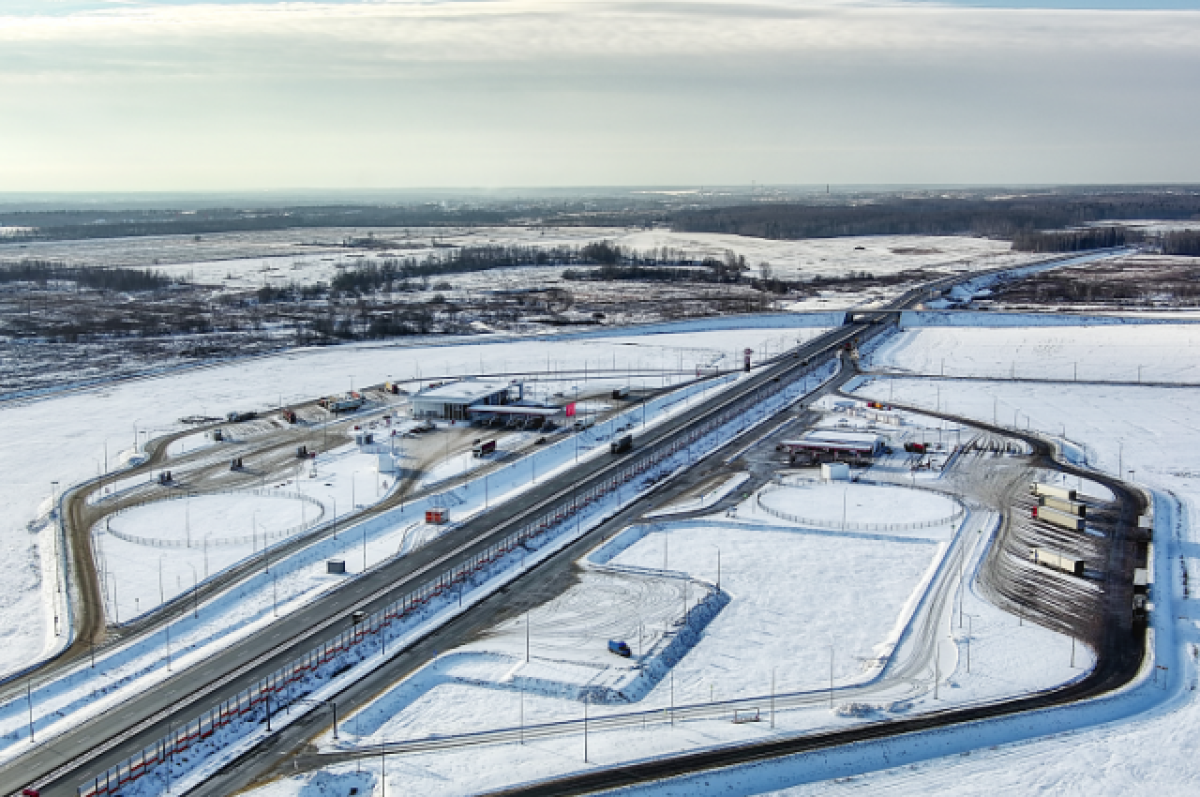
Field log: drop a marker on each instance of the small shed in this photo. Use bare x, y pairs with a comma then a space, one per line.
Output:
835, 472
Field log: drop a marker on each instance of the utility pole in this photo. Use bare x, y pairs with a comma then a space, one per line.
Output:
962, 565
831, 676
970, 633
937, 667
772, 697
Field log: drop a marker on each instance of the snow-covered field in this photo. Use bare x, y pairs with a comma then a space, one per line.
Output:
796, 597
1151, 352
1143, 742
845, 505
802, 259
158, 551
59, 441
307, 256
793, 597
1151, 435
283, 584
214, 752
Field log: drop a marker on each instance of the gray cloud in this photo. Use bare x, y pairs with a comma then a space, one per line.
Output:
545, 93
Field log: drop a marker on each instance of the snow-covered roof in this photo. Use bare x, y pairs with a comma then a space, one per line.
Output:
835, 438
462, 392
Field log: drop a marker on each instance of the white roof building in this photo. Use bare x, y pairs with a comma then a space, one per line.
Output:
452, 399
836, 440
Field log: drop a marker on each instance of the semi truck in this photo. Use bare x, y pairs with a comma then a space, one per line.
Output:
1057, 518
346, 403
1050, 491
482, 449
238, 417
1070, 507
1056, 561
622, 445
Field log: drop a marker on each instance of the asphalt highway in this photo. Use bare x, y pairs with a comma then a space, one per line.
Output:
73, 757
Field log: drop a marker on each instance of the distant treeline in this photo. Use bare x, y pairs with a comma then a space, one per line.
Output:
113, 279
394, 274
1185, 242
1074, 240
81, 224
1002, 218
635, 273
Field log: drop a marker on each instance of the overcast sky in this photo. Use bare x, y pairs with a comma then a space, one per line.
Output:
184, 95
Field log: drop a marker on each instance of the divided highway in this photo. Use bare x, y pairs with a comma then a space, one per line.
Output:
91, 747
59, 766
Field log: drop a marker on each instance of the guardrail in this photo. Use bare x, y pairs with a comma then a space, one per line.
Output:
292, 682
221, 541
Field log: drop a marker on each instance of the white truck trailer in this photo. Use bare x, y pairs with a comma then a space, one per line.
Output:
1057, 518
1056, 561
1070, 507
1049, 490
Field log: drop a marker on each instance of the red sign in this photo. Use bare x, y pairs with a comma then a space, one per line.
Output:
570, 410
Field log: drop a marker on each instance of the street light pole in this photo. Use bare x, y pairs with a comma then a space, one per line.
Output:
831, 676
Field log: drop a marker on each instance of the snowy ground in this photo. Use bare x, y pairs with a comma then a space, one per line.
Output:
704, 499
795, 596
776, 624
1151, 352
310, 256
855, 506
1145, 745
59, 441
220, 530
212, 753
283, 584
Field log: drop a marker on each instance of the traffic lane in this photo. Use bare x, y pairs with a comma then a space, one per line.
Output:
542, 583
342, 602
